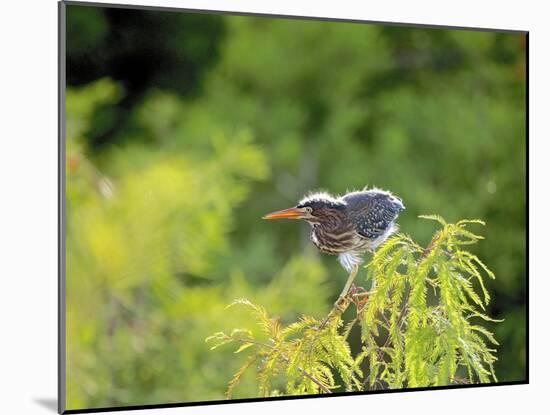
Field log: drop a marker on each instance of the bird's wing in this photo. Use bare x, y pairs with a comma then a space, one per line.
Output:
373, 212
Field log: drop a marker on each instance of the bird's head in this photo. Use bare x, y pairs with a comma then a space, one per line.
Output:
315, 208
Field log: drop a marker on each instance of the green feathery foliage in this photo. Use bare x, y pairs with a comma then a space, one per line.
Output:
420, 326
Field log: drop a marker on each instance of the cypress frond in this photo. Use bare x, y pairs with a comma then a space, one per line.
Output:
297, 327
238, 375
465, 222
437, 218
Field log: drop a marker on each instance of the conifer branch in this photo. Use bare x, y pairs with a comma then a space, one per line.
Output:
406, 340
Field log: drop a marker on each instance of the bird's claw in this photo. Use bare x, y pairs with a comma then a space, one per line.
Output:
342, 303
355, 290
359, 296
356, 295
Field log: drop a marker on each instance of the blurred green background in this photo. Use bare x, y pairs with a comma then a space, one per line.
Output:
184, 129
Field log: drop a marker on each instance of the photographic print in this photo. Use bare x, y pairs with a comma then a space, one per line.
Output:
266, 207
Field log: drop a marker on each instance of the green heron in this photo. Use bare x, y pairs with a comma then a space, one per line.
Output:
347, 226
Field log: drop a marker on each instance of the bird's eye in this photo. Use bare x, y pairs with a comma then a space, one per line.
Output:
308, 209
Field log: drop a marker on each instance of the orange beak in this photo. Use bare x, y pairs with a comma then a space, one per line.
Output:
290, 213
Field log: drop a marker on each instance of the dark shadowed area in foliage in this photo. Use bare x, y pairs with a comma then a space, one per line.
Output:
184, 129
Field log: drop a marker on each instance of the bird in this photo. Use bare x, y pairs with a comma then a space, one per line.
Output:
347, 226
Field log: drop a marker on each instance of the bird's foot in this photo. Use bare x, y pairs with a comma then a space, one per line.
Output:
339, 307
364, 293
359, 296
341, 304
355, 290
356, 295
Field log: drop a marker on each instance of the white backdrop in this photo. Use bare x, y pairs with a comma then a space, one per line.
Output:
28, 203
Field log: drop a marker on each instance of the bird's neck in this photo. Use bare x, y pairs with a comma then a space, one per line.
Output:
328, 222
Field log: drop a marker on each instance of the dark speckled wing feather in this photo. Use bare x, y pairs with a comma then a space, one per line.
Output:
373, 211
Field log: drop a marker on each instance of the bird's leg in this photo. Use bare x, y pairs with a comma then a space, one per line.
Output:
340, 304
362, 294
351, 277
